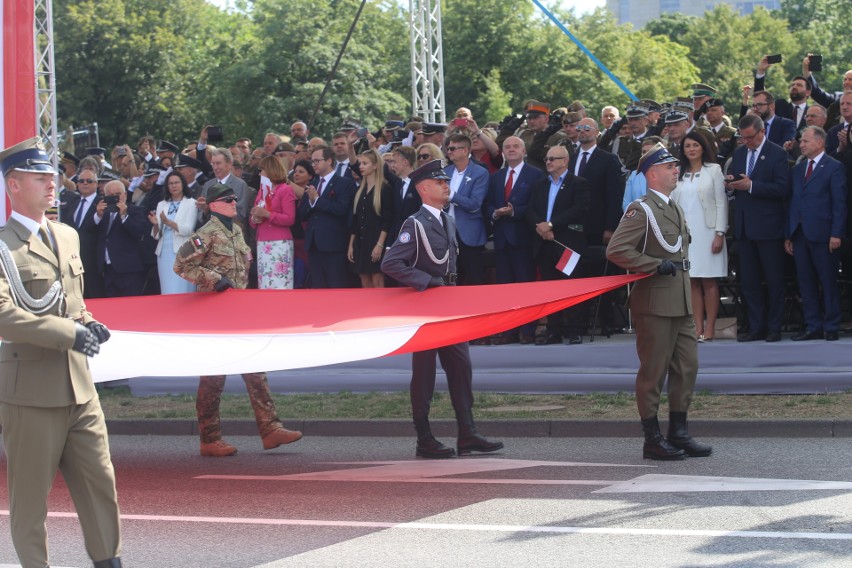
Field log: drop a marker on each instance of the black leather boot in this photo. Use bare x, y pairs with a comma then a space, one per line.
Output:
656, 447
427, 445
108, 563
679, 437
470, 440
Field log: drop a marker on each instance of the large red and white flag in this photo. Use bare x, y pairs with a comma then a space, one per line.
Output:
18, 79
241, 331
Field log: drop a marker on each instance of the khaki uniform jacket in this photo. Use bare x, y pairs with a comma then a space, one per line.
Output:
213, 252
37, 366
637, 250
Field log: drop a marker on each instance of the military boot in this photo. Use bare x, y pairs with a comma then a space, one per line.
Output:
427, 445
656, 447
469, 439
679, 437
209, 424
108, 563
272, 431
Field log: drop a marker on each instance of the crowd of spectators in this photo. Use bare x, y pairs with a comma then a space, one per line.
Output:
321, 212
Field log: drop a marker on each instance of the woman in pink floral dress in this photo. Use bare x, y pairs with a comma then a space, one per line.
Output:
273, 214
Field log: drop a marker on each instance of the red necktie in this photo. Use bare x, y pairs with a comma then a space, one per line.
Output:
508, 188
810, 169
319, 188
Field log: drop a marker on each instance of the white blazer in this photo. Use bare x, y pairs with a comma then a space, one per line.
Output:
185, 219
711, 194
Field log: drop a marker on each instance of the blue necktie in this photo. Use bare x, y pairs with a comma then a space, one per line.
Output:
751, 157
78, 218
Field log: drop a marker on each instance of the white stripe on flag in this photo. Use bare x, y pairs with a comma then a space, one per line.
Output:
568, 261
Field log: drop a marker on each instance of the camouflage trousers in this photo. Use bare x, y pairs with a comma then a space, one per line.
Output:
210, 395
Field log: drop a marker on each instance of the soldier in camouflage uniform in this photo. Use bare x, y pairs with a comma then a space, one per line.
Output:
216, 258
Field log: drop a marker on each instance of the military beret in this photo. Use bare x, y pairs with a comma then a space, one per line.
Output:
715, 103
576, 106
218, 191
430, 170
657, 155
284, 147
26, 156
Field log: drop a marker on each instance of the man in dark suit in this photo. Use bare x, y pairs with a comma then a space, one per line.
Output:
406, 200
79, 212
468, 186
424, 256
49, 409
120, 230
837, 139
828, 100
509, 191
759, 179
558, 206
602, 170
800, 91
816, 225
327, 209
778, 129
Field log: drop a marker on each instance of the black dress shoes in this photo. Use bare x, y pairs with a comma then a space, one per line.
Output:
549, 339
773, 337
431, 448
807, 336
575, 340
755, 336
831, 336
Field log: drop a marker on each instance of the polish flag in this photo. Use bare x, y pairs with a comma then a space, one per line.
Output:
568, 261
18, 80
241, 331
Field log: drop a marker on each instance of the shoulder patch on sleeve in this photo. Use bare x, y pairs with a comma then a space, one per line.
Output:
630, 214
404, 237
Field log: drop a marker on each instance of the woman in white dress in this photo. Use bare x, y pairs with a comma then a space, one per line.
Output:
700, 193
173, 223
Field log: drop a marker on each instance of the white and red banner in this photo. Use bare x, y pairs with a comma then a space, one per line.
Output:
18, 79
241, 331
568, 261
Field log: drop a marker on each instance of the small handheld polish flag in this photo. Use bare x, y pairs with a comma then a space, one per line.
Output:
568, 261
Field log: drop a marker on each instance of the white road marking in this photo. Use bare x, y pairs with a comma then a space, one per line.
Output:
659, 483
431, 471
476, 527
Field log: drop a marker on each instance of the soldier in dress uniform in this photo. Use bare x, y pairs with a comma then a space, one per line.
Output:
216, 258
653, 238
629, 148
423, 256
701, 93
49, 410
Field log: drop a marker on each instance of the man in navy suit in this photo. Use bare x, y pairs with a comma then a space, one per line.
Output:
120, 230
406, 200
327, 209
558, 207
79, 212
759, 179
816, 225
468, 186
777, 129
509, 191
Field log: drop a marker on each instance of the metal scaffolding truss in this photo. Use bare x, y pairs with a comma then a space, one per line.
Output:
427, 60
45, 77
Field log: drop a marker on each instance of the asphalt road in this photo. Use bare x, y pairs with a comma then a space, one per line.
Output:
365, 502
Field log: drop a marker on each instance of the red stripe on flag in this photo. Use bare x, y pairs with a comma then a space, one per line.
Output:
19, 80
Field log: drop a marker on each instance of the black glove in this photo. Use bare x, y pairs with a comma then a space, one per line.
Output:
702, 110
436, 281
667, 267
85, 341
223, 284
556, 119
100, 330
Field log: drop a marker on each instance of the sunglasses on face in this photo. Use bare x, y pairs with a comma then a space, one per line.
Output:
454, 148
424, 156
229, 199
585, 127
554, 158
82, 180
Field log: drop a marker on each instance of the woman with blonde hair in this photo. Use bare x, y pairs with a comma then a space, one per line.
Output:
372, 219
428, 152
272, 216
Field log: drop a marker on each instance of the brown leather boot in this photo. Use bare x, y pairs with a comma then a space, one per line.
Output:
279, 437
272, 432
217, 449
